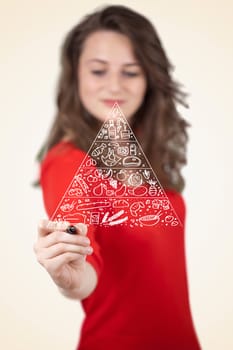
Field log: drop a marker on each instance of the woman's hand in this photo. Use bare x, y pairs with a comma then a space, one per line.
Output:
63, 255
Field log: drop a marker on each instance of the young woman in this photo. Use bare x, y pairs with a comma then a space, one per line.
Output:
132, 282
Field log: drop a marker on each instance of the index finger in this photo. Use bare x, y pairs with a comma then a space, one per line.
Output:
45, 227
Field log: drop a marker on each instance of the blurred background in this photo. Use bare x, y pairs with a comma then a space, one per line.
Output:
197, 36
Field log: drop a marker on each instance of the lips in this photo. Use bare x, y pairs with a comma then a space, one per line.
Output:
110, 102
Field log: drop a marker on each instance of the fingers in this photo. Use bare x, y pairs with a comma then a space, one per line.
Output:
54, 266
46, 226
62, 248
62, 237
54, 241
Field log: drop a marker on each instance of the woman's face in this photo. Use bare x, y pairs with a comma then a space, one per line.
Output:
108, 72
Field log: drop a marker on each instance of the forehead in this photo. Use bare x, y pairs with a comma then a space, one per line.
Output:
108, 46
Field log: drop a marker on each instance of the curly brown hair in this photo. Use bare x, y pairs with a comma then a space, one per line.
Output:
163, 134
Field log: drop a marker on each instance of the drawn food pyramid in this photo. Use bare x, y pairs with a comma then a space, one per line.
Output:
115, 184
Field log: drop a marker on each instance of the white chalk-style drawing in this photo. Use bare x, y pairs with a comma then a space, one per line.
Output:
135, 207
111, 159
131, 161
139, 191
152, 189
115, 184
169, 218
146, 174
94, 219
73, 218
82, 183
150, 220
121, 191
75, 192
135, 179
99, 189
93, 205
66, 207
121, 175
99, 150
120, 203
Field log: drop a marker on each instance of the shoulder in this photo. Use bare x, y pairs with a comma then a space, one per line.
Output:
60, 163
57, 171
63, 152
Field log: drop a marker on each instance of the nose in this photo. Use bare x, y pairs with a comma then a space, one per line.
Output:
114, 83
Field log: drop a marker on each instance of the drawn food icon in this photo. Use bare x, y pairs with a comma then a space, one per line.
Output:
113, 182
99, 150
110, 193
98, 190
138, 191
75, 217
135, 208
135, 179
92, 205
152, 189
76, 192
111, 159
107, 173
121, 191
169, 218
68, 206
156, 203
103, 173
174, 223
123, 151
120, 203
146, 174
131, 161
121, 175
150, 220
91, 178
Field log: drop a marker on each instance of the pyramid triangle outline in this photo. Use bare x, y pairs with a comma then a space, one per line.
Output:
115, 183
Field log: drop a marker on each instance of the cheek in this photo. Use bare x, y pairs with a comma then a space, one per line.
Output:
140, 88
86, 86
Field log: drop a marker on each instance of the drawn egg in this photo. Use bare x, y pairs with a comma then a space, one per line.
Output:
149, 220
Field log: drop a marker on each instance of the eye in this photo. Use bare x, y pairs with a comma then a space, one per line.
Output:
131, 74
98, 72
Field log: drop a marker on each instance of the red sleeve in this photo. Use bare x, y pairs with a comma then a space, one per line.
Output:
57, 171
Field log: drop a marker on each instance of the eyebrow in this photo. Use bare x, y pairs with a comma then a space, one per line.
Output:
105, 62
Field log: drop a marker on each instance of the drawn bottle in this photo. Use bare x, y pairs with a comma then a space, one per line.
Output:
111, 130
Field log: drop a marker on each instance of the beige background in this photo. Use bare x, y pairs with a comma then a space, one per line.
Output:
198, 38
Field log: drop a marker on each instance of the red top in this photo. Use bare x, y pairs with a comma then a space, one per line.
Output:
141, 301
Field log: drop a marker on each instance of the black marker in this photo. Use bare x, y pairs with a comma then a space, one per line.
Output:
71, 230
